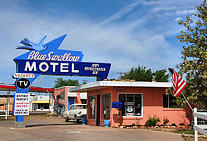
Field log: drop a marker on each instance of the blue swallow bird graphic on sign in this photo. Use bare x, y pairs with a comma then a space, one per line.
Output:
49, 51
28, 45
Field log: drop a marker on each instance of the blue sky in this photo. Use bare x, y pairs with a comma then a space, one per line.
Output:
125, 33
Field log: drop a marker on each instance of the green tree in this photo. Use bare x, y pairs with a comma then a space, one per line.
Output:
140, 73
161, 76
60, 82
194, 55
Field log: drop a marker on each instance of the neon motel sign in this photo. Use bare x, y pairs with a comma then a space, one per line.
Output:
53, 61
47, 59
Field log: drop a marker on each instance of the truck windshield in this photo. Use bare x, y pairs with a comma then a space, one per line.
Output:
81, 106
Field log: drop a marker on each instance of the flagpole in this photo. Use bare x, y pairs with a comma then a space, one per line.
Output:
187, 101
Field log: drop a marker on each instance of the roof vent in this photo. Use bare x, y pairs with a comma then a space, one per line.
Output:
153, 78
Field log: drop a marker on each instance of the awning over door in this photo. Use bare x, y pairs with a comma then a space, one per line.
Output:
83, 95
40, 101
71, 94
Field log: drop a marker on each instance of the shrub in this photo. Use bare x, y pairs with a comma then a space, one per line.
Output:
173, 124
165, 121
152, 121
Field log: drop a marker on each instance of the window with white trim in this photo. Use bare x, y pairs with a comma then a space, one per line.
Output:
169, 101
132, 104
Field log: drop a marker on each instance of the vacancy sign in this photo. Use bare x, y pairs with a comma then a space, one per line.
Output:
21, 104
23, 75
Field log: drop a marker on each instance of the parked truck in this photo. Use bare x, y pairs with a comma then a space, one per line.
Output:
76, 112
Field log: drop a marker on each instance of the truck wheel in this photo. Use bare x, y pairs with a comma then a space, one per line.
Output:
76, 120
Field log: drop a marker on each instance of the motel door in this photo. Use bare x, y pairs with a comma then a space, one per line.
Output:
70, 101
98, 111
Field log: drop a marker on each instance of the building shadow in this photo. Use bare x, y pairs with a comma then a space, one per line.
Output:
52, 124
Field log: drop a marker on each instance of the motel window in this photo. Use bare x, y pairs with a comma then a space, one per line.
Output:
43, 106
106, 100
132, 104
83, 101
169, 101
92, 104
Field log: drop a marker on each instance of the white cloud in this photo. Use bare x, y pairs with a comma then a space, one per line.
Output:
169, 8
125, 10
152, 2
178, 19
185, 12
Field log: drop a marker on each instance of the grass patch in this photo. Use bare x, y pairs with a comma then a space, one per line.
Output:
187, 131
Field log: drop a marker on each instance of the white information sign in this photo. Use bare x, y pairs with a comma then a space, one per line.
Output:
21, 104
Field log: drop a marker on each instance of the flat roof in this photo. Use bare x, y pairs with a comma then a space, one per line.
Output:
93, 85
64, 87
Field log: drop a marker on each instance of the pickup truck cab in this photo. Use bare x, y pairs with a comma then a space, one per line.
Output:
75, 112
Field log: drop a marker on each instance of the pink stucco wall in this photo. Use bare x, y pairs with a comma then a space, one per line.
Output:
58, 91
152, 106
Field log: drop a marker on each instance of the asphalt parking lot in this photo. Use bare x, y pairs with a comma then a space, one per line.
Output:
53, 129
83, 133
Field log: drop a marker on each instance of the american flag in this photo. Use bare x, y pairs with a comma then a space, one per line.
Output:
178, 83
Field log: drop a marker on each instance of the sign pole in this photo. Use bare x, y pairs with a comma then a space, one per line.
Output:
187, 102
20, 118
21, 88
